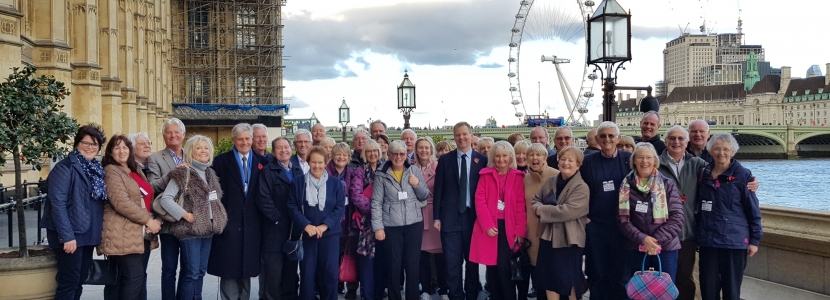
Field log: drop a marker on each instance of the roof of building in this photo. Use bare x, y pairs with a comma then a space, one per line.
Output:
709, 92
812, 84
768, 84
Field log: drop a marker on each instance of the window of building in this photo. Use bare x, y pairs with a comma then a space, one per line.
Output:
198, 86
246, 89
246, 19
197, 20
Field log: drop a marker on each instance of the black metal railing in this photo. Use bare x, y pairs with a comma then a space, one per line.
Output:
9, 205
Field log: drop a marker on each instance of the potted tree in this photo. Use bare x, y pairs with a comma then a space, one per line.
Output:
32, 128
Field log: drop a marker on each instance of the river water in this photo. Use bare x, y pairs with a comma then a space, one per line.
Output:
801, 183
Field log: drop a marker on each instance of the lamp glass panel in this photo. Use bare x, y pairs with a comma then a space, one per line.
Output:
617, 34
597, 39
406, 98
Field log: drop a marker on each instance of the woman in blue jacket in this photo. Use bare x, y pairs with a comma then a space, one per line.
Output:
317, 204
74, 210
728, 220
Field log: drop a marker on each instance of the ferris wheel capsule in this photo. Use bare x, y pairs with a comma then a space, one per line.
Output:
512, 59
589, 3
519, 114
588, 94
593, 76
583, 110
515, 102
513, 89
511, 74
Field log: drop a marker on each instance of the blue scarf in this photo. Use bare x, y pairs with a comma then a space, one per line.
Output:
93, 171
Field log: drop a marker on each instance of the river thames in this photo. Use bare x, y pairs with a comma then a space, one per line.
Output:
801, 183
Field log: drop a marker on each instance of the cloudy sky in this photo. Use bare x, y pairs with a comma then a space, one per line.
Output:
456, 52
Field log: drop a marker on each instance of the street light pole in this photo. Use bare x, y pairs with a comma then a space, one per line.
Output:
406, 98
345, 116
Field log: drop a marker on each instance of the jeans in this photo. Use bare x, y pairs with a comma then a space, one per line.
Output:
195, 254
365, 268
72, 271
169, 262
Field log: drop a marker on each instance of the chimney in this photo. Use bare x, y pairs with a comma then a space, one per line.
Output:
827, 74
785, 80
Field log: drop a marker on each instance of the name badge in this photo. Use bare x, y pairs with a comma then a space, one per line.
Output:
143, 192
608, 186
347, 200
402, 195
212, 196
501, 205
706, 205
642, 207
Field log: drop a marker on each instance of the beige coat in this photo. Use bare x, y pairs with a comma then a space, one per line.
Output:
533, 182
124, 213
563, 224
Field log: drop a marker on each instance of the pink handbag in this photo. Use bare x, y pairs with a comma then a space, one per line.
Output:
651, 284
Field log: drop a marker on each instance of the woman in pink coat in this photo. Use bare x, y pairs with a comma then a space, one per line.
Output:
501, 221
426, 160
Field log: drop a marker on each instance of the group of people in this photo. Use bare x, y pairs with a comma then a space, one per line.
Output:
413, 214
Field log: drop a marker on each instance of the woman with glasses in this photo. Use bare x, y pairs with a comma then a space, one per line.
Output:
74, 210
398, 194
626, 144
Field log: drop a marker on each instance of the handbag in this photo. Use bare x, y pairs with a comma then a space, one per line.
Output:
102, 272
159, 209
651, 284
348, 266
519, 261
294, 249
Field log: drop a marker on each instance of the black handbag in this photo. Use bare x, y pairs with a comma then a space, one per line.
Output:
294, 249
520, 261
102, 272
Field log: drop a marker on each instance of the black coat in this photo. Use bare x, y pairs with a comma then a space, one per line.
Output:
274, 191
447, 194
235, 253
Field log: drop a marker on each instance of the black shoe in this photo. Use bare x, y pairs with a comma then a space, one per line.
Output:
531, 293
351, 295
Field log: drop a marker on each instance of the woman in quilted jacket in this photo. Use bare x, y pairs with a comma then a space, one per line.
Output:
127, 218
193, 197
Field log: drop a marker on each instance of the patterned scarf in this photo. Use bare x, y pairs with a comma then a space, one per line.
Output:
315, 190
654, 186
94, 172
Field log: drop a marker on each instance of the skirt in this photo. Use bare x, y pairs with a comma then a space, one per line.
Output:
559, 269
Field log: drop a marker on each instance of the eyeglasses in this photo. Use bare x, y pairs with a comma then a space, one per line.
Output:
676, 138
606, 136
397, 154
563, 138
89, 145
144, 143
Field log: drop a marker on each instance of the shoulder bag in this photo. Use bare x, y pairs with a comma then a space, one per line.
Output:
294, 249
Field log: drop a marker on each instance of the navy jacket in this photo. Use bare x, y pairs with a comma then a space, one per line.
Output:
303, 215
235, 252
69, 213
447, 189
597, 169
274, 192
734, 221
655, 141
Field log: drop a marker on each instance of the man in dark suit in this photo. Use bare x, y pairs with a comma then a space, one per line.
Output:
278, 279
234, 254
302, 144
456, 179
260, 143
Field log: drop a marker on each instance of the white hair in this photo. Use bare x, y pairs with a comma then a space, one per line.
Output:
678, 127
405, 131
260, 126
328, 139
191, 142
700, 121
499, 147
301, 132
135, 136
643, 146
609, 124
723, 137
397, 146
650, 112
359, 131
563, 128
240, 128
543, 129
172, 121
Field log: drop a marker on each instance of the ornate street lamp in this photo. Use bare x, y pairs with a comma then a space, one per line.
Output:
345, 116
609, 44
406, 98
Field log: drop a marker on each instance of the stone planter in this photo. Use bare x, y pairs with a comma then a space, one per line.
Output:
27, 278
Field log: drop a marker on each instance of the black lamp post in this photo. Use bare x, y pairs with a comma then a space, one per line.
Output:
609, 43
345, 115
406, 98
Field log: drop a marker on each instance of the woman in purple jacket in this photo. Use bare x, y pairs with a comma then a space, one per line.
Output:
650, 213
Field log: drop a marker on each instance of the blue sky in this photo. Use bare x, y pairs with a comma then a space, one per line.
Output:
456, 52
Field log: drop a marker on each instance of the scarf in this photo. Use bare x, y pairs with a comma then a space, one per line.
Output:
654, 186
95, 173
315, 190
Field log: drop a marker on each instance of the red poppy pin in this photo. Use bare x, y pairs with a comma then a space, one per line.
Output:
260, 166
475, 160
730, 178
683, 199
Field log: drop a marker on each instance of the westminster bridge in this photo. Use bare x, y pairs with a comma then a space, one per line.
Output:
766, 141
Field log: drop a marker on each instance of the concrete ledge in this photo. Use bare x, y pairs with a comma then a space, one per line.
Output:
757, 289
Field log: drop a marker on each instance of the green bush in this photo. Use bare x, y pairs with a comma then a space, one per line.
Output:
224, 145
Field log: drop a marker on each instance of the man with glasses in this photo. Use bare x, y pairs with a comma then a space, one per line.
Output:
302, 144
603, 172
540, 135
562, 137
359, 138
649, 127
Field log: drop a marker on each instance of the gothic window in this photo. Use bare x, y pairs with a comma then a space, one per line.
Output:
246, 89
198, 86
246, 20
197, 20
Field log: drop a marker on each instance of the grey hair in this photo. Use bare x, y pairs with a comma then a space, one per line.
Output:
376, 122
260, 126
315, 125
240, 128
541, 128
563, 128
409, 130
191, 143
341, 147
301, 132
369, 146
397, 146
723, 137
432, 156
522, 147
609, 124
501, 146
678, 127
701, 121
329, 139
643, 146
537, 148
172, 121
135, 136
486, 141
363, 131
650, 112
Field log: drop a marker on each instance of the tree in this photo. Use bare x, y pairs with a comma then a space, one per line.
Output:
33, 127
224, 145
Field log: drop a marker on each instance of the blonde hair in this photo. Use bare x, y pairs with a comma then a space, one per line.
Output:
501, 146
626, 140
341, 147
486, 142
427, 139
191, 143
521, 147
571, 149
369, 146
537, 148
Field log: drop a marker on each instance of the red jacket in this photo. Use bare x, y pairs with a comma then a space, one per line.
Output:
484, 247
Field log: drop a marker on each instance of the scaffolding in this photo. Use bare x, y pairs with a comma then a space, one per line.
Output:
227, 52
